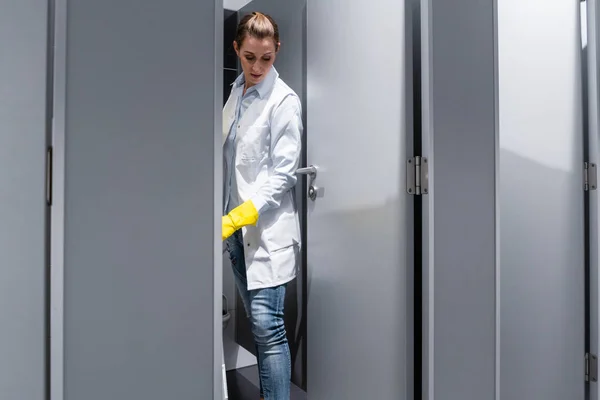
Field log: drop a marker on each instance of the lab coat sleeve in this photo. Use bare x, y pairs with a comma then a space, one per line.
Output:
286, 146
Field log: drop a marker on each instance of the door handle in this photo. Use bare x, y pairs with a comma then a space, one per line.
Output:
311, 172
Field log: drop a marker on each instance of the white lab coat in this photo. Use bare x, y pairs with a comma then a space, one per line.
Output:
268, 145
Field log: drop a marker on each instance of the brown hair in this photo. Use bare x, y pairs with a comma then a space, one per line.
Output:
257, 25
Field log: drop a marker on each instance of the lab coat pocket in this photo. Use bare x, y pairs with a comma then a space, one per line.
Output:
284, 233
253, 144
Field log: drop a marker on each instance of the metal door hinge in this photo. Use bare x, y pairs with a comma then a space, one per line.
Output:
49, 176
417, 176
590, 176
591, 367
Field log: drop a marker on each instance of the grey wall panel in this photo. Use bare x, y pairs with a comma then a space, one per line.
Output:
541, 201
459, 215
142, 145
291, 65
23, 44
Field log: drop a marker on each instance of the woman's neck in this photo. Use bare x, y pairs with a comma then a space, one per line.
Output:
247, 86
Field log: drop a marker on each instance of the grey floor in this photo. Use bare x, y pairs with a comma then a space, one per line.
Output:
242, 384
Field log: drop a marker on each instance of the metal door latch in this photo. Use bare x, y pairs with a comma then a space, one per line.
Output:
311, 171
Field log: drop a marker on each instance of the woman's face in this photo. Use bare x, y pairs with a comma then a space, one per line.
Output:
257, 57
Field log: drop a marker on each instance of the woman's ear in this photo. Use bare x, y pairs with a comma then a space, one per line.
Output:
235, 47
278, 47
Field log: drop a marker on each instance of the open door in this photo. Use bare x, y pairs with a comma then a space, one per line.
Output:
357, 207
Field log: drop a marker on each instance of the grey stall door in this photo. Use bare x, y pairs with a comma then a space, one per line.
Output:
357, 230
23, 121
540, 201
140, 136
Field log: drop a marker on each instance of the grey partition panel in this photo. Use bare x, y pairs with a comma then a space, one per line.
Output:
459, 136
23, 86
290, 16
142, 194
541, 201
593, 155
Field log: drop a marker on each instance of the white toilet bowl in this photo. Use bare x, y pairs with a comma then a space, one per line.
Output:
226, 314
226, 318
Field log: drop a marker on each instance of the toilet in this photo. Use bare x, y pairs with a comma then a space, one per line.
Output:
226, 318
226, 314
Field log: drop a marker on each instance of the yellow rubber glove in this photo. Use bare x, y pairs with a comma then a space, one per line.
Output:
243, 215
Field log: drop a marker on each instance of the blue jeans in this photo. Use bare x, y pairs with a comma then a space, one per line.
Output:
264, 308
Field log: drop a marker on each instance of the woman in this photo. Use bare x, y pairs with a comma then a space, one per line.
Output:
262, 127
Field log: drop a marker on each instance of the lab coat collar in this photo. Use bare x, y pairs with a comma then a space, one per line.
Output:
265, 86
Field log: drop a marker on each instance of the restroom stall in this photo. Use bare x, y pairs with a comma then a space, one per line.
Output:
291, 18
493, 231
334, 374
503, 246
505, 317
495, 237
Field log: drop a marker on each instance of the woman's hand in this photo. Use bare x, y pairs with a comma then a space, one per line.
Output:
243, 215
